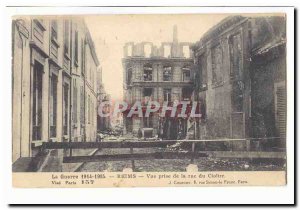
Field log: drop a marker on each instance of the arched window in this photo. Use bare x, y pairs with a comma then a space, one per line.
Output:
186, 74
167, 73
147, 72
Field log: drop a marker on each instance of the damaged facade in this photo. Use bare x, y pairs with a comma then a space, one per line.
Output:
240, 81
54, 83
161, 74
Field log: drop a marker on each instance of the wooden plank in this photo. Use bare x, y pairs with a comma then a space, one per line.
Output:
123, 144
246, 154
135, 156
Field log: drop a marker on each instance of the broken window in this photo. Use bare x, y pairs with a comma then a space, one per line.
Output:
37, 101
148, 72
66, 107
167, 73
235, 47
167, 51
186, 51
187, 93
147, 93
186, 74
53, 105
129, 50
129, 75
216, 57
167, 94
147, 50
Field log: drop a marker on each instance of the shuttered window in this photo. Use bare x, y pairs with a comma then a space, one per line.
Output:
280, 106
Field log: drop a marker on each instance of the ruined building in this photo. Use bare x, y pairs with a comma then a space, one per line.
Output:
54, 83
240, 80
159, 74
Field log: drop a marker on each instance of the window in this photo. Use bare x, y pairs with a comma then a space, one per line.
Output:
74, 105
186, 74
202, 76
167, 94
147, 50
167, 73
66, 107
37, 101
89, 110
129, 50
54, 30
129, 76
53, 105
38, 32
147, 72
167, 51
216, 57
92, 114
235, 47
76, 48
54, 43
66, 37
147, 93
81, 105
186, 51
186, 93
82, 57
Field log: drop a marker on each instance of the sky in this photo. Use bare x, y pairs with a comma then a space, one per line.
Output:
111, 32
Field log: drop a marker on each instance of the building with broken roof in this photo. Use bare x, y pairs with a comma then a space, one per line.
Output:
159, 74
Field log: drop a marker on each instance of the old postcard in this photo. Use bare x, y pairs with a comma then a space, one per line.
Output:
149, 100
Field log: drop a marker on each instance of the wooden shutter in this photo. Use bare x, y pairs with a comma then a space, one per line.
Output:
280, 108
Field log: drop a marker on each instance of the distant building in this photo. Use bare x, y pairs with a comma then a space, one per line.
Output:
158, 74
54, 85
240, 79
103, 123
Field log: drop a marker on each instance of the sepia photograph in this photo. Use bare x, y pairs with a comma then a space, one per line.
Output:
130, 94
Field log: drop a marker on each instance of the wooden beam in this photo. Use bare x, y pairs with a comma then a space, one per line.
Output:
246, 154
135, 156
124, 144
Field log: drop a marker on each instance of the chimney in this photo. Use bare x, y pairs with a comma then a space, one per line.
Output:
175, 38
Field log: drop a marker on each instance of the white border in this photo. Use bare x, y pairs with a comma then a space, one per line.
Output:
191, 195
